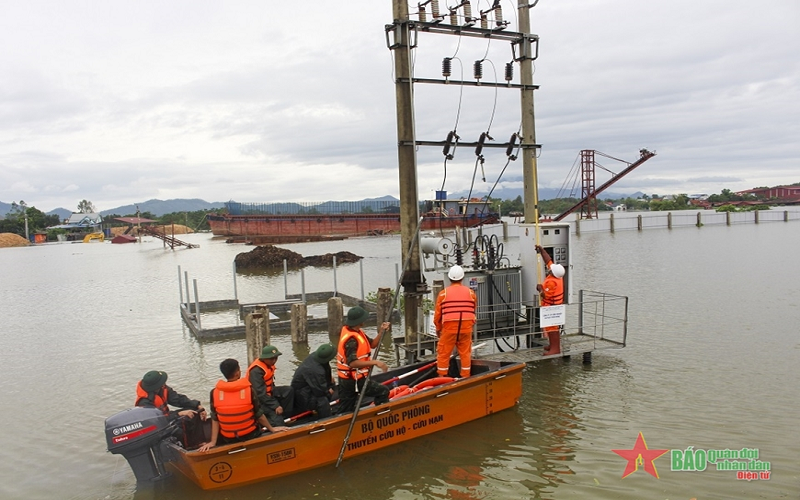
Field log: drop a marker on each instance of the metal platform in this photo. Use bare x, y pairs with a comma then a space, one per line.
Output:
595, 322
571, 345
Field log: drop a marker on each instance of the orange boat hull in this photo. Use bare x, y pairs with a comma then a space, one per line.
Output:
319, 443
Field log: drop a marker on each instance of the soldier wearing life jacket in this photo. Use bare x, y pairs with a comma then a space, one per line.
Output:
235, 413
551, 293
276, 401
353, 362
153, 392
453, 318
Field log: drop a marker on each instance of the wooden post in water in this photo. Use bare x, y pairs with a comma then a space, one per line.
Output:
669, 220
505, 230
699, 220
785, 216
577, 225
728, 218
385, 302
639, 222
756, 215
196, 306
256, 332
335, 319
299, 324
611, 222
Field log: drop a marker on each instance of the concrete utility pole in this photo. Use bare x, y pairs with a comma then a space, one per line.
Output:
401, 37
529, 173
412, 278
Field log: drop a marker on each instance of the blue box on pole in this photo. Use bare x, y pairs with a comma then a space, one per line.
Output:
441, 195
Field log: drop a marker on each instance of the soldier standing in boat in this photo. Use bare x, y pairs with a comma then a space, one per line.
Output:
353, 362
276, 401
454, 317
551, 292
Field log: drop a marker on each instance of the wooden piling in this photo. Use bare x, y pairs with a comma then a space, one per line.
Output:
728, 218
756, 216
299, 323
785, 216
577, 226
256, 332
699, 220
335, 319
384, 306
639, 222
505, 230
611, 222
669, 220
438, 286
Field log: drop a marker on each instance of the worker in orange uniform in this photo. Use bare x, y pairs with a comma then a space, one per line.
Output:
551, 293
454, 318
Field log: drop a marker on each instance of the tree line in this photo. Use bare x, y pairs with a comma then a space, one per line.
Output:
39, 222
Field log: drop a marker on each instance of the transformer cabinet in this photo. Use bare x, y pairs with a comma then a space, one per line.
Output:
554, 237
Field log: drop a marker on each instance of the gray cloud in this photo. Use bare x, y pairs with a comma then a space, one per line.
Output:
121, 102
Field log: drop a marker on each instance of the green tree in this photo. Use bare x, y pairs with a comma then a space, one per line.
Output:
86, 207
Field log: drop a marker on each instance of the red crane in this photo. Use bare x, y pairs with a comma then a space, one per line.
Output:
589, 191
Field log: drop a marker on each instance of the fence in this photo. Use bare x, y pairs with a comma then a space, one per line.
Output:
670, 220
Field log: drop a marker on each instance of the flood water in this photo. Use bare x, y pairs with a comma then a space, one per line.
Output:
711, 363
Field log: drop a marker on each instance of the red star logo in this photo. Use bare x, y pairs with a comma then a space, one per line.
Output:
640, 455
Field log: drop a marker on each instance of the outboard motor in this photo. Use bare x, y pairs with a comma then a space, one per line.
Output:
135, 434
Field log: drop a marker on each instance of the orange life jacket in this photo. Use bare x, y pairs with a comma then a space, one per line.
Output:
233, 404
269, 374
159, 398
363, 353
458, 303
552, 290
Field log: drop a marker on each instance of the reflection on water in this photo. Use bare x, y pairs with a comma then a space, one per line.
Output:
711, 363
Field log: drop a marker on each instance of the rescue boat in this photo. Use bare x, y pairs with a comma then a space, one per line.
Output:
143, 435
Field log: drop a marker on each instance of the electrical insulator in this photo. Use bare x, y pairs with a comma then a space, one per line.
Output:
512, 143
467, 12
509, 71
446, 66
484, 21
498, 16
422, 17
478, 69
453, 18
435, 9
459, 256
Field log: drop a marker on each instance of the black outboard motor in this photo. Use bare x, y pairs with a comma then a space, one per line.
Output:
135, 434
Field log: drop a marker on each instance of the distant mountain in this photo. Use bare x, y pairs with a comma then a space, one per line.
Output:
161, 207
62, 213
4, 209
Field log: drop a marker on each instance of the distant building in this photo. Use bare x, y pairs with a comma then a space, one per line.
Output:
777, 192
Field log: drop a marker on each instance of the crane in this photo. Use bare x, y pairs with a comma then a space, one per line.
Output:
589, 192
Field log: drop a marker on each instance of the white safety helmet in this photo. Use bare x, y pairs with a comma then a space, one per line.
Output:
456, 273
558, 270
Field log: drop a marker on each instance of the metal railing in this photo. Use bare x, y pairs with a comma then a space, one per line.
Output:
598, 320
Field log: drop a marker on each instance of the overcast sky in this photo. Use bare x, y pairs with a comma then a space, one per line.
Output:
120, 102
